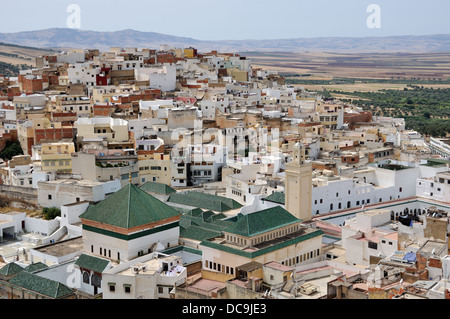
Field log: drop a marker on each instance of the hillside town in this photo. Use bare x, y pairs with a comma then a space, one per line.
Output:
176, 174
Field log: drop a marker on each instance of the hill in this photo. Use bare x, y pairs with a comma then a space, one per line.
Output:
72, 38
13, 56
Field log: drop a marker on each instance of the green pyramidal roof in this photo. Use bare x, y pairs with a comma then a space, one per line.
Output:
35, 267
129, 207
157, 188
41, 285
205, 201
92, 263
262, 221
276, 197
10, 269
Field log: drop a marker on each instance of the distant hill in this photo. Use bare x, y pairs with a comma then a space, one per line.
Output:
72, 38
15, 57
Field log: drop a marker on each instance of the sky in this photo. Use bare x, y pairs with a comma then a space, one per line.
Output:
234, 19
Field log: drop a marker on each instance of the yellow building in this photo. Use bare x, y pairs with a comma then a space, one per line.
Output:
190, 53
154, 168
238, 75
57, 156
113, 130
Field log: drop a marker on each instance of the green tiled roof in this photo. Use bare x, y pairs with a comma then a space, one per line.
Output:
263, 251
128, 208
199, 233
182, 248
437, 161
276, 197
41, 285
157, 188
194, 212
218, 225
35, 267
262, 221
205, 201
10, 269
92, 263
200, 225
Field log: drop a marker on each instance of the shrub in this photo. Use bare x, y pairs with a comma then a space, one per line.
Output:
51, 212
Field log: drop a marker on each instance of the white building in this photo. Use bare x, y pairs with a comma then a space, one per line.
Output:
437, 188
206, 162
153, 276
128, 224
67, 191
440, 146
83, 73
246, 186
162, 77
362, 237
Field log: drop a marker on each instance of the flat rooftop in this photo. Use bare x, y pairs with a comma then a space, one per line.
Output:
151, 266
62, 248
432, 247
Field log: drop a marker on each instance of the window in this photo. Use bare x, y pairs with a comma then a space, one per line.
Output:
160, 290
49, 196
85, 277
127, 288
112, 288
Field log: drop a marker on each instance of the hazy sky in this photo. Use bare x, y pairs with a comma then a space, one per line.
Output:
234, 19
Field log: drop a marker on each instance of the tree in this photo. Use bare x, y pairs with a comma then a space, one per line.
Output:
12, 148
51, 212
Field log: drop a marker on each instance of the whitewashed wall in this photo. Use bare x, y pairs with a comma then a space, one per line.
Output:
41, 226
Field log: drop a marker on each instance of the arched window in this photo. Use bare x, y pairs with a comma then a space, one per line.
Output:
85, 277
96, 281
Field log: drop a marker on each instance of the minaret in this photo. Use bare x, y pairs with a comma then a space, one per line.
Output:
298, 185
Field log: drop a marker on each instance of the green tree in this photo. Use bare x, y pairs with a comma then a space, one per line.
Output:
51, 212
11, 149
